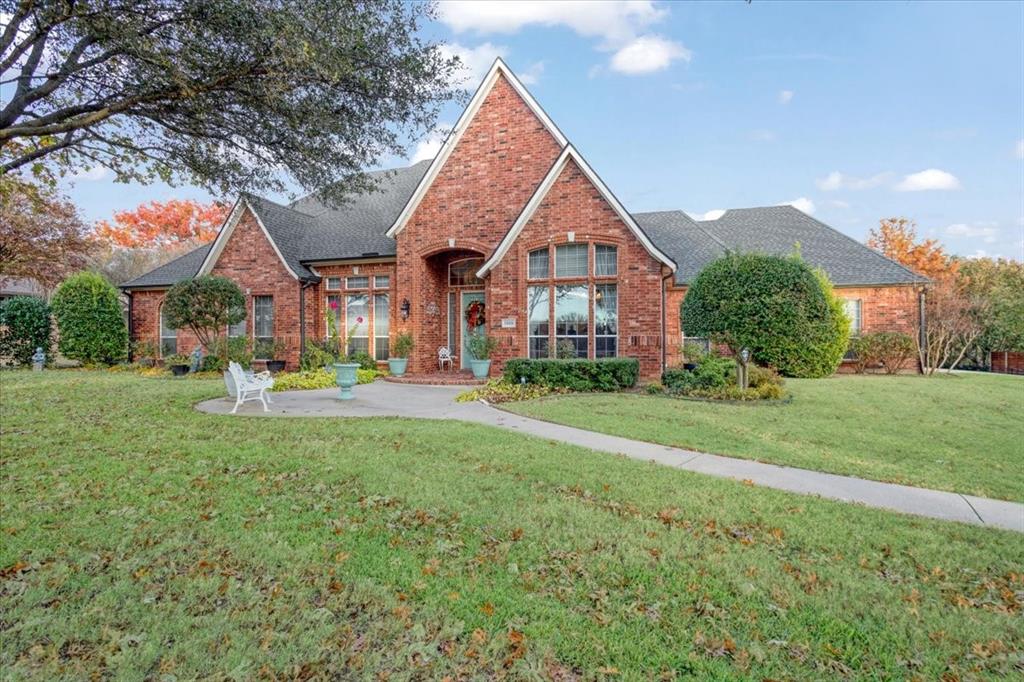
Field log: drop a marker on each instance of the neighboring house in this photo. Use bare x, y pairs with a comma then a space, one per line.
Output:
18, 286
510, 217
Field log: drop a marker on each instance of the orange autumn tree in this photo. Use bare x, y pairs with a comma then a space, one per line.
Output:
174, 223
896, 238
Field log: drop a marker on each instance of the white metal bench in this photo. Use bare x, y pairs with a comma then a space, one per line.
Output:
445, 357
250, 386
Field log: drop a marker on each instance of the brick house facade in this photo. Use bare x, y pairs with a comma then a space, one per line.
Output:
509, 219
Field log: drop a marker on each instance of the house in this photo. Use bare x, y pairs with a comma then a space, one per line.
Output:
510, 230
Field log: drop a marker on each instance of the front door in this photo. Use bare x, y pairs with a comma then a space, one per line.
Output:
468, 298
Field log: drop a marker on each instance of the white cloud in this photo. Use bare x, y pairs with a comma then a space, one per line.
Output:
532, 73
430, 145
91, 174
1019, 149
785, 96
647, 54
836, 180
802, 204
984, 231
930, 179
475, 61
713, 214
620, 26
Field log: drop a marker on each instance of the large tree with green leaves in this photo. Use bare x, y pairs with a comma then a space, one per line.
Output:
207, 305
231, 95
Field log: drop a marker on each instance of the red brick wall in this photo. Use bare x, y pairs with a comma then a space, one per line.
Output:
883, 308
488, 178
573, 204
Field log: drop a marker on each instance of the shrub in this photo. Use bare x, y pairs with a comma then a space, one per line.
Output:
319, 354
90, 320
762, 376
693, 352
504, 391
364, 359
402, 345
481, 346
865, 353
318, 378
779, 308
270, 349
609, 374
893, 349
206, 305
236, 349
654, 388
144, 352
711, 372
177, 359
25, 325
565, 350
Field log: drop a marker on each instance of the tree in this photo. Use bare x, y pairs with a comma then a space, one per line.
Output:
953, 323
174, 223
207, 305
896, 238
228, 95
25, 325
1000, 283
779, 308
90, 320
42, 236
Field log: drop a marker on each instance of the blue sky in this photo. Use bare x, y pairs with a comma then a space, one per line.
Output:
852, 111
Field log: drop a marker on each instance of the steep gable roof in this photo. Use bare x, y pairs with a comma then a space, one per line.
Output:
183, 267
570, 155
498, 70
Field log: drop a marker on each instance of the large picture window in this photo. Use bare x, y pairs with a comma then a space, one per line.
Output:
381, 325
539, 318
168, 337
606, 321
357, 323
572, 316
263, 323
571, 260
335, 310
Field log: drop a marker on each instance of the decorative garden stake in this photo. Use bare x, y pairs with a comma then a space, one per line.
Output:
38, 360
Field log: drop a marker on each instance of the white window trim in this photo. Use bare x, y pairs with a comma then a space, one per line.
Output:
607, 246
546, 286
161, 337
547, 259
498, 69
586, 273
369, 335
597, 336
376, 285
327, 285
254, 337
349, 287
570, 154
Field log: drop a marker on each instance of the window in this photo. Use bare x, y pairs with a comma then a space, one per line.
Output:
571, 318
571, 260
539, 321
168, 337
335, 311
334, 282
605, 260
263, 323
539, 267
357, 323
381, 282
357, 283
453, 317
381, 325
606, 321
236, 330
463, 272
854, 313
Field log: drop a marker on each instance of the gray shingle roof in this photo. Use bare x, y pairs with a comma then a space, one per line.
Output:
779, 229
182, 267
679, 237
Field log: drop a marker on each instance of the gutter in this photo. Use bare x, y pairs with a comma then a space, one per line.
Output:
131, 324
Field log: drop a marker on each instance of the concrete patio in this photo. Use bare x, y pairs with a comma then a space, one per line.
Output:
385, 399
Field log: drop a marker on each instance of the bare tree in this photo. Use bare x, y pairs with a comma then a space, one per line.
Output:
954, 321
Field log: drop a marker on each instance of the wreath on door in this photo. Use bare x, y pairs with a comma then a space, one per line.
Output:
475, 314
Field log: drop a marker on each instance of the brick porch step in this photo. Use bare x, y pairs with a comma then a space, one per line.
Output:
438, 379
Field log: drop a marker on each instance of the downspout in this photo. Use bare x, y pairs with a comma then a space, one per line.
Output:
664, 319
921, 335
302, 318
131, 326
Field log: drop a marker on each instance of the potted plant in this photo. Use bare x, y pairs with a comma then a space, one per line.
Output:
145, 353
179, 364
275, 351
345, 372
400, 350
480, 347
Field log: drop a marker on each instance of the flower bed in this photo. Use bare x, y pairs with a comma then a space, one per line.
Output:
312, 379
506, 391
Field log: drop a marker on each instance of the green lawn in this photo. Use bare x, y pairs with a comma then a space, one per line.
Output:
142, 539
960, 432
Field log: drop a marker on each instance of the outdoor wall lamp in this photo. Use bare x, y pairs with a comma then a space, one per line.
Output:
405, 308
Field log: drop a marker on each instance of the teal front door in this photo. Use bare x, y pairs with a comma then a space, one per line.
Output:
468, 297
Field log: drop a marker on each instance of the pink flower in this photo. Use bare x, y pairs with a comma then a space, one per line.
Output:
359, 320
334, 305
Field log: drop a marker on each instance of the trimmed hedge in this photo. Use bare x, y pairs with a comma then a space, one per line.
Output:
782, 310
90, 319
24, 326
608, 374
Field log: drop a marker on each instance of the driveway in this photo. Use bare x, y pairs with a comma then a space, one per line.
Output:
385, 399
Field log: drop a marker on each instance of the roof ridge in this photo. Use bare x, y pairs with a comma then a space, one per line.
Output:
379, 171
713, 236
278, 205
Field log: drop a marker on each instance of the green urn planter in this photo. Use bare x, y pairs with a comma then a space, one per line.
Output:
396, 366
481, 368
345, 377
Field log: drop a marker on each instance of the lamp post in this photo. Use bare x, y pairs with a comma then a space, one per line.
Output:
744, 359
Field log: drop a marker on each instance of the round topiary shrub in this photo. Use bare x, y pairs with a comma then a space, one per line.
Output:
24, 326
90, 321
778, 307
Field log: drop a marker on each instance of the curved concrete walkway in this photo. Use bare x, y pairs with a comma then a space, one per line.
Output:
383, 399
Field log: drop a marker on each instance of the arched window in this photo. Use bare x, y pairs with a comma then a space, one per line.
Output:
462, 273
168, 337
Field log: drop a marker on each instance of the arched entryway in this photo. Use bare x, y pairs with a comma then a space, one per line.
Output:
455, 303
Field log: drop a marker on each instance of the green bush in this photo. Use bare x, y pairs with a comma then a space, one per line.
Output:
318, 378
779, 308
402, 345
177, 359
865, 353
891, 350
481, 346
711, 372
319, 354
364, 359
206, 305
25, 325
90, 320
609, 374
236, 349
